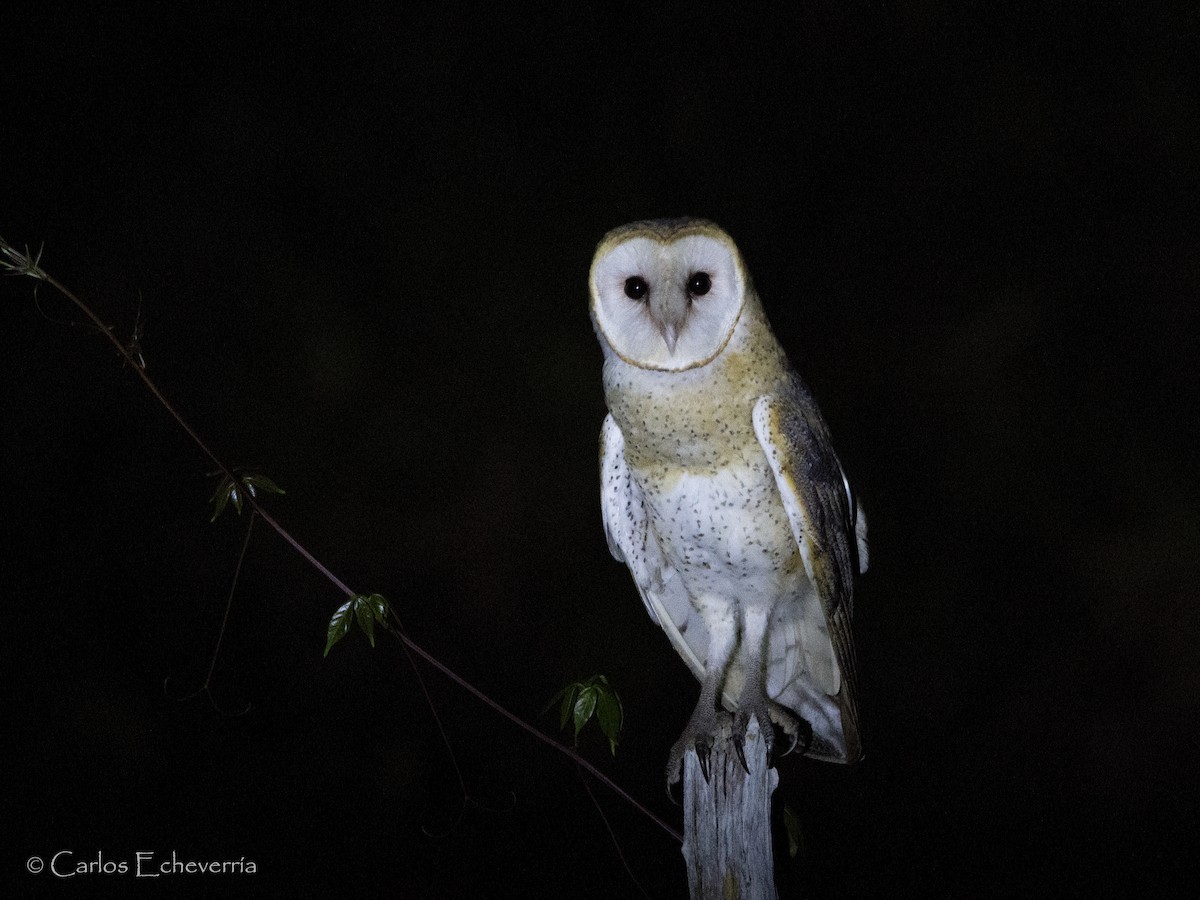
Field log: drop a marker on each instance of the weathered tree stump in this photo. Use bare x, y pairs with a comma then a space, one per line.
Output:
727, 823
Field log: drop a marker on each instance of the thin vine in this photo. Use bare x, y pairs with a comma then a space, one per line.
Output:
28, 264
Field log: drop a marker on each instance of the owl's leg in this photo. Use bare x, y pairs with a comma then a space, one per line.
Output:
702, 726
753, 702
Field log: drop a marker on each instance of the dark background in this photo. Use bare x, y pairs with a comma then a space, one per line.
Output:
360, 240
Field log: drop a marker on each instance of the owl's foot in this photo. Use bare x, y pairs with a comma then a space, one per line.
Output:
796, 728
767, 713
703, 729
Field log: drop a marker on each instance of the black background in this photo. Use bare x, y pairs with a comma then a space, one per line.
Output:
360, 239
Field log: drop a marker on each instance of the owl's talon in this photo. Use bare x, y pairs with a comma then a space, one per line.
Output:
678, 801
795, 738
675, 763
738, 742
799, 731
802, 737
701, 733
757, 711
704, 757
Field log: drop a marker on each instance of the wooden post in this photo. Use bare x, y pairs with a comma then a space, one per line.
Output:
727, 824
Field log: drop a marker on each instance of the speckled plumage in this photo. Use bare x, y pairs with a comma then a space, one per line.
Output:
721, 490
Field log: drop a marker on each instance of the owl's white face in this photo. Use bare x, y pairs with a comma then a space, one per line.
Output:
667, 295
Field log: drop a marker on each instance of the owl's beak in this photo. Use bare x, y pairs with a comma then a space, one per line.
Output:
669, 315
670, 334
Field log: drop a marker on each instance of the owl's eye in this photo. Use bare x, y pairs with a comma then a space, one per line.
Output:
635, 287
698, 284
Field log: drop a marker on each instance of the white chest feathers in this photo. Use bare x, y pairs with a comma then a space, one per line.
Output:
723, 531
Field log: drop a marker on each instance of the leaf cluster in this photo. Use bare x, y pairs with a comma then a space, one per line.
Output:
234, 489
594, 697
15, 262
362, 608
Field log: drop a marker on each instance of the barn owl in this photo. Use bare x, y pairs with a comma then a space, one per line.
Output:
721, 492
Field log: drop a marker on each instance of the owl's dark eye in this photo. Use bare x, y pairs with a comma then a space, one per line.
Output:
635, 287
698, 284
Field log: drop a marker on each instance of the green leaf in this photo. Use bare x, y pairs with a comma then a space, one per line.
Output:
791, 824
581, 700
609, 714
262, 482
223, 486
366, 617
585, 705
220, 497
379, 607
568, 703
339, 624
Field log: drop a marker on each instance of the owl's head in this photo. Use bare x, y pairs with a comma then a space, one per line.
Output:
667, 294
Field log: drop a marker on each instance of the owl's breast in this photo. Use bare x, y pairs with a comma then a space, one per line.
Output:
724, 530
690, 445
700, 419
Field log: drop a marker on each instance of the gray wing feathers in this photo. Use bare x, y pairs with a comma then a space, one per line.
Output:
830, 533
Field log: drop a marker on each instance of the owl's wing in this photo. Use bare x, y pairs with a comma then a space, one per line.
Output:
632, 541
820, 508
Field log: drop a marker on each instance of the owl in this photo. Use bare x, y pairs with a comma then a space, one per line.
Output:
721, 492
